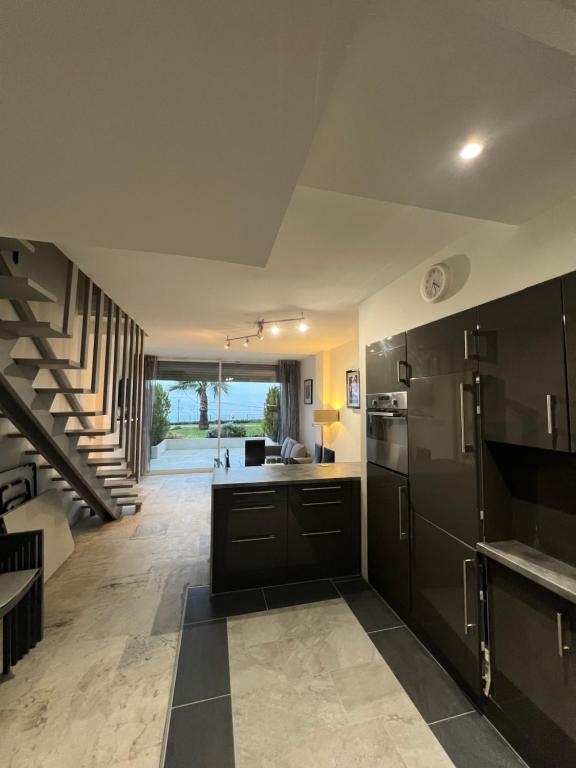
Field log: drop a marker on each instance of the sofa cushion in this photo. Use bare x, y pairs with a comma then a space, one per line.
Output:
298, 451
286, 447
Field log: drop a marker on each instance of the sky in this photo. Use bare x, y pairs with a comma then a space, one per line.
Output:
244, 401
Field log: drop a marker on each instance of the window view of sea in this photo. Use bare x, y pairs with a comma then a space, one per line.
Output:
243, 401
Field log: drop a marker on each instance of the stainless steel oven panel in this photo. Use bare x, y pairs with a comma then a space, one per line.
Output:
387, 440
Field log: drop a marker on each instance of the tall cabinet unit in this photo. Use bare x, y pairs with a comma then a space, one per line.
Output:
569, 300
443, 472
532, 645
388, 536
522, 365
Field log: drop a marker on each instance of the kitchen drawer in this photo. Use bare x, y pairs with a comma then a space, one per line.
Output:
328, 494
244, 497
257, 520
323, 540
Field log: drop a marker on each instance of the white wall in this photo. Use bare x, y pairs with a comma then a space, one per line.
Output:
492, 261
328, 371
344, 437
311, 367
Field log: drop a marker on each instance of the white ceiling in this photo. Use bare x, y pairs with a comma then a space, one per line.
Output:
177, 127
332, 251
420, 80
212, 162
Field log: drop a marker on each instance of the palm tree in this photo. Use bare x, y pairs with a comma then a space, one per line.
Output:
201, 389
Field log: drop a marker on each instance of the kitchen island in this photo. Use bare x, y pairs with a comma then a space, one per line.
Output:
277, 524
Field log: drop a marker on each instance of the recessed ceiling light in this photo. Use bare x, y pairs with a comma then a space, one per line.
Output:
471, 150
275, 330
302, 326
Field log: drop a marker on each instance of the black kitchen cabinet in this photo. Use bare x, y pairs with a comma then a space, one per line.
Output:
323, 536
569, 291
522, 367
444, 346
442, 448
275, 534
249, 538
446, 598
389, 536
386, 366
532, 648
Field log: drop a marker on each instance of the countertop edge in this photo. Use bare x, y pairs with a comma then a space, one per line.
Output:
531, 570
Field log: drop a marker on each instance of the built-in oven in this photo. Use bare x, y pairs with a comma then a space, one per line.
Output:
387, 431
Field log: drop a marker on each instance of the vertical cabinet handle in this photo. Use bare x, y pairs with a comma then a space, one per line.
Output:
466, 351
402, 379
549, 417
563, 648
463, 445
467, 624
402, 534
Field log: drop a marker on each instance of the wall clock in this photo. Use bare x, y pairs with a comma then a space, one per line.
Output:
435, 282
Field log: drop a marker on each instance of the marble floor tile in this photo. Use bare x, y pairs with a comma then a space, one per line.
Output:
310, 689
95, 692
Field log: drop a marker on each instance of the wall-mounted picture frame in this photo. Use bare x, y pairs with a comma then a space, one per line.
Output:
308, 391
353, 388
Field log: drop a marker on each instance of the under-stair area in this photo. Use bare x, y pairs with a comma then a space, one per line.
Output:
71, 380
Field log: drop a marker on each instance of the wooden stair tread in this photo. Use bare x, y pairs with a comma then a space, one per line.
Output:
15, 435
51, 363
103, 462
96, 448
88, 432
23, 289
115, 484
111, 473
38, 329
63, 390
76, 414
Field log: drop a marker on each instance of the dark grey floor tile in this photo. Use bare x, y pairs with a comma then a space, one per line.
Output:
471, 742
200, 606
201, 735
430, 687
298, 594
367, 605
203, 669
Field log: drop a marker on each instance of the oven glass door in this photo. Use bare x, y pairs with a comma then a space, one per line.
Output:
387, 441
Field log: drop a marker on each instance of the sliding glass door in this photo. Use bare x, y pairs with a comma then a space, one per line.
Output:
204, 412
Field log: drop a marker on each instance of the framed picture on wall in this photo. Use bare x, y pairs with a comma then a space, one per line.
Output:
353, 388
308, 391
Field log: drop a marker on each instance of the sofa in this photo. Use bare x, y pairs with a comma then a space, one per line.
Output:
290, 452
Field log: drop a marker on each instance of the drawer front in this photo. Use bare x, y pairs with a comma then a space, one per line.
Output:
249, 546
255, 521
226, 498
323, 534
319, 493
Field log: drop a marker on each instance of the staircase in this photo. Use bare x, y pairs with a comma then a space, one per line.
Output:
71, 378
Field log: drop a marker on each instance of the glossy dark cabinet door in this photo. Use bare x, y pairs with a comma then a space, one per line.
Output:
386, 367
323, 530
444, 346
533, 684
445, 599
522, 366
388, 536
442, 449
569, 290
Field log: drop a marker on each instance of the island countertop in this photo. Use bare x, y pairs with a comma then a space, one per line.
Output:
285, 474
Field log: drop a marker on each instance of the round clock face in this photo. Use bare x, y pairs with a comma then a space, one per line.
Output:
435, 282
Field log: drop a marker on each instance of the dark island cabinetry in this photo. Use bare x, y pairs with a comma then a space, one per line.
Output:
288, 528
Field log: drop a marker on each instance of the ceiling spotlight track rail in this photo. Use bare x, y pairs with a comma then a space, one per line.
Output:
260, 327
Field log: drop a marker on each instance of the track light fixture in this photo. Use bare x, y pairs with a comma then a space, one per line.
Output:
260, 326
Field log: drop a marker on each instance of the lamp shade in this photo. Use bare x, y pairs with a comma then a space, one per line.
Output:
326, 416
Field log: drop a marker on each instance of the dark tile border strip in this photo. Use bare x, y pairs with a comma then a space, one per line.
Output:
217, 710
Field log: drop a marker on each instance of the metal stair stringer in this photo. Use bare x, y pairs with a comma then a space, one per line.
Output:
20, 402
